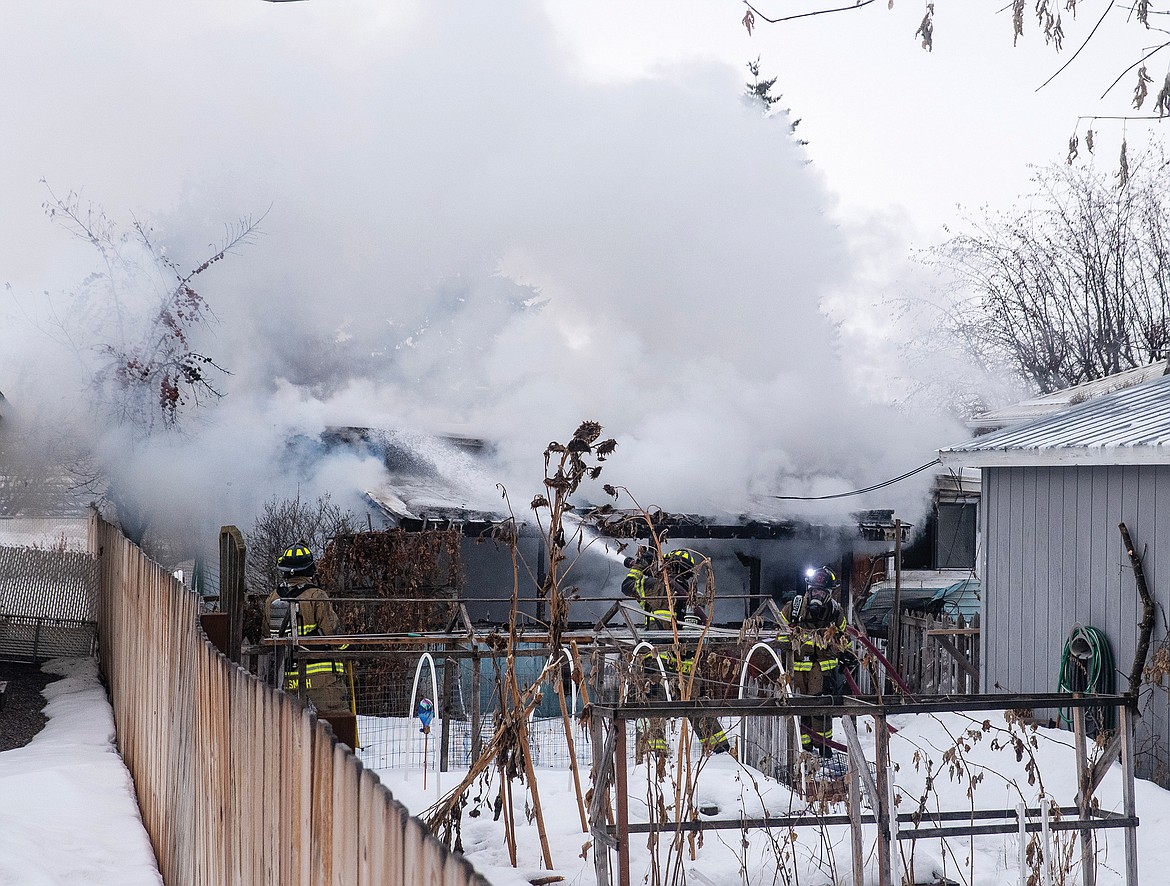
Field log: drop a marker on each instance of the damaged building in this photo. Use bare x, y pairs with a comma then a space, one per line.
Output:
754, 559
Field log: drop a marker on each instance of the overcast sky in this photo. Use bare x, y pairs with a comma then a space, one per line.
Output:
898, 129
504, 220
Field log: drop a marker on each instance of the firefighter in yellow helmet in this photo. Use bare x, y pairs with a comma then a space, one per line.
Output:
300, 607
666, 589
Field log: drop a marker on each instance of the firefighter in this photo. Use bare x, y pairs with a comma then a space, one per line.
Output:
644, 583
667, 591
814, 640
299, 601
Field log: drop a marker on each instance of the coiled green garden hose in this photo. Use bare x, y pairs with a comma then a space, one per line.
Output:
1086, 666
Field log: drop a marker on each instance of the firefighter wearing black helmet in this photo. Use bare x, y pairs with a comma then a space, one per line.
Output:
813, 636
300, 607
666, 589
662, 586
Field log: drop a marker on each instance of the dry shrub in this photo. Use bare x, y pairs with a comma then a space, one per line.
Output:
406, 570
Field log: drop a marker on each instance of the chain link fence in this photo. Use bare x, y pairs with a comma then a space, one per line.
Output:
48, 604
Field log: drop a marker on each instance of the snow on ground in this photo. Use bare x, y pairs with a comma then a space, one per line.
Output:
68, 813
823, 855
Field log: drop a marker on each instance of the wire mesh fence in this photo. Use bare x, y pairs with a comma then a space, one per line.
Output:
400, 743
48, 604
468, 687
35, 640
466, 690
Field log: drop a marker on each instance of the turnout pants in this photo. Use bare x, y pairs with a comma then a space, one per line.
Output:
812, 679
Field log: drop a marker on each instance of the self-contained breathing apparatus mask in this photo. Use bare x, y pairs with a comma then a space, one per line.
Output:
810, 606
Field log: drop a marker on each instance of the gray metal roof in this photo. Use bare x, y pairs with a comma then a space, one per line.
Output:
1130, 426
1047, 404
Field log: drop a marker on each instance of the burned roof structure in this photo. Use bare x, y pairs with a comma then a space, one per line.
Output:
628, 523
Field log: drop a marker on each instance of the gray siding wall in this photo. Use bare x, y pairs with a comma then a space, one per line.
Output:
1054, 558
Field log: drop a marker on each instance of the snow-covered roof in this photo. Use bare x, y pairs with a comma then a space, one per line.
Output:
1047, 404
1130, 426
66, 533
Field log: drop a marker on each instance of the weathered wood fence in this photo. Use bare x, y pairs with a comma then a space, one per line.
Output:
940, 656
238, 783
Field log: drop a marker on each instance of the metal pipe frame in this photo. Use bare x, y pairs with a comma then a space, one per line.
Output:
859, 706
1082, 818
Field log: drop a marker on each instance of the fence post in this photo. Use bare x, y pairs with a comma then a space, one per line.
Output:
449, 665
858, 768
886, 816
1129, 798
232, 559
597, 804
476, 725
623, 798
36, 650
894, 631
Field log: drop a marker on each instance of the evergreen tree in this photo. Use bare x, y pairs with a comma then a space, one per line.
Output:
759, 92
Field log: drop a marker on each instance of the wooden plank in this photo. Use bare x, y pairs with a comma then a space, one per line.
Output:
322, 831
1084, 799
858, 762
959, 658
396, 818
345, 795
310, 787
258, 753
371, 835
232, 562
412, 852
202, 799
279, 710
433, 856
885, 846
234, 788
857, 850
1129, 798
268, 763
939, 671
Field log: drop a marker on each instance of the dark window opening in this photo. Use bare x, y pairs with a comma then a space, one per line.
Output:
947, 539
954, 539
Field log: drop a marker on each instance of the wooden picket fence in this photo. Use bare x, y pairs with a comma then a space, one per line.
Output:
238, 783
940, 656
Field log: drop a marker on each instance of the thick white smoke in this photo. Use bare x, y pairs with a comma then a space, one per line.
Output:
461, 236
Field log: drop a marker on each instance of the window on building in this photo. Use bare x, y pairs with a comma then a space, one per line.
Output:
954, 537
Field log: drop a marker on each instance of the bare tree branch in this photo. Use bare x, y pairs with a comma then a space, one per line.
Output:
1079, 48
1074, 288
788, 18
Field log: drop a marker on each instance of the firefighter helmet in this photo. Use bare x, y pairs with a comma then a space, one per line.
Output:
824, 577
681, 559
297, 560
